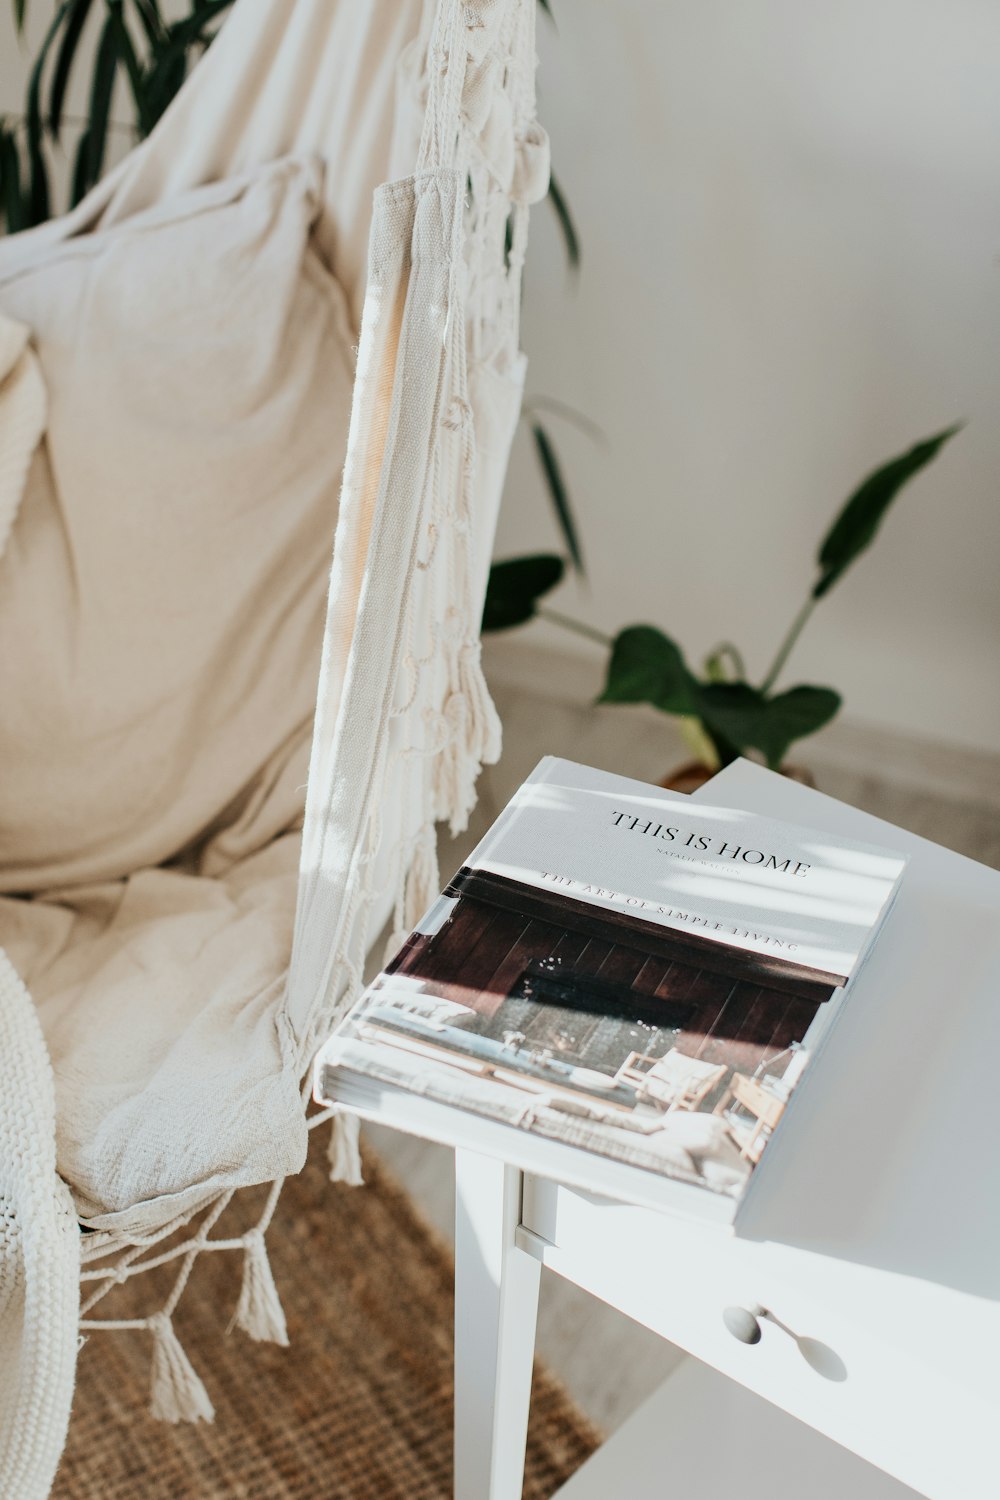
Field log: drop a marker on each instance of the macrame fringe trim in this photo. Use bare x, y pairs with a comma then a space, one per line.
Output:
422, 880
176, 1392
259, 1312
344, 1150
484, 730
473, 739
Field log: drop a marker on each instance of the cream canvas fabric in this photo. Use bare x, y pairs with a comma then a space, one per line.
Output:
431, 108
165, 579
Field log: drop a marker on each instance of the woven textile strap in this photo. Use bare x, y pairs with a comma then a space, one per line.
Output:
404, 720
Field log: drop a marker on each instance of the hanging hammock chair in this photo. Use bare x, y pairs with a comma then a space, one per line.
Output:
351, 181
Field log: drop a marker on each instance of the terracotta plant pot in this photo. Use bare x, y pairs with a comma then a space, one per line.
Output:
694, 773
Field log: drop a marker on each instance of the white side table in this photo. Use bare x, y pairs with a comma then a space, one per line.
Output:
701, 1434
872, 1239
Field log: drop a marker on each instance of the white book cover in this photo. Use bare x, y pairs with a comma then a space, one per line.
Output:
622, 971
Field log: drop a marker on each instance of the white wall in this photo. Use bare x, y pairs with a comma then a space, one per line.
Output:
790, 217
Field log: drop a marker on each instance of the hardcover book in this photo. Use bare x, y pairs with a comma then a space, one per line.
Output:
624, 980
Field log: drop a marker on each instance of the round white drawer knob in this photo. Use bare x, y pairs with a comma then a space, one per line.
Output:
744, 1323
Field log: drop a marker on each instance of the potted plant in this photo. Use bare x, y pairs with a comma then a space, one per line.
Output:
721, 713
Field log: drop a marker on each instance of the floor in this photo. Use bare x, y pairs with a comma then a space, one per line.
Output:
609, 1363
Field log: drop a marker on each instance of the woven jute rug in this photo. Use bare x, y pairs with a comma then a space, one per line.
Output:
359, 1407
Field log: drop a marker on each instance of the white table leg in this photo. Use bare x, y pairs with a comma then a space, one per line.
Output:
496, 1302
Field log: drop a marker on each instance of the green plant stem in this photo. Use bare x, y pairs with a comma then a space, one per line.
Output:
698, 741
578, 626
784, 650
714, 663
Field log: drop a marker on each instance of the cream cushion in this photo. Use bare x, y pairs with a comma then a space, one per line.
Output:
162, 592
161, 606
160, 1000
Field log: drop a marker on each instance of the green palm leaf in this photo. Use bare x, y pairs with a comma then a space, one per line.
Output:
10, 180
102, 88
552, 469
76, 19
570, 237
856, 526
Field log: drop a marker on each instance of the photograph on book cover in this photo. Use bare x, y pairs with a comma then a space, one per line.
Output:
654, 1047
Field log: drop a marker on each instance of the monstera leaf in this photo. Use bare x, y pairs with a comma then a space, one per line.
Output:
743, 717
515, 587
646, 666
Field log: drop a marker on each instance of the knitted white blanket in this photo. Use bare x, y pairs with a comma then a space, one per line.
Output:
39, 1238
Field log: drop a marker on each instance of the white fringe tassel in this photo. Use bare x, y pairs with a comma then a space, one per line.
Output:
484, 730
344, 1152
422, 880
259, 1312
473, 738
451, 775
176, 1391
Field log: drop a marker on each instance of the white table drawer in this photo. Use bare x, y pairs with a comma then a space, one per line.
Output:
899, 1370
